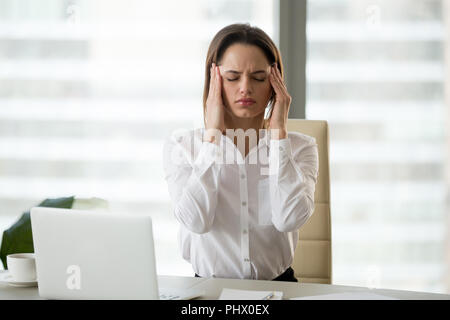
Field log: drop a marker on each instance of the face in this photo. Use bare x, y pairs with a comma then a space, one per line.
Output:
245, 74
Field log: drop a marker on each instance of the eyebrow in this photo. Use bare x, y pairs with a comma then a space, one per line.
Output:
237, 72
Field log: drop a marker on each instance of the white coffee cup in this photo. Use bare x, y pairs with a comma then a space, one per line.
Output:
22, 266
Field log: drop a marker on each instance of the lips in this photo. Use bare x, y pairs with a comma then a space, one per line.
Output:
246, 101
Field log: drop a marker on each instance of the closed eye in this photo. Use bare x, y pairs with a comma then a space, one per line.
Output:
260, 80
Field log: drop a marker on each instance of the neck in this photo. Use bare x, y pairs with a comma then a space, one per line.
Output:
256, 123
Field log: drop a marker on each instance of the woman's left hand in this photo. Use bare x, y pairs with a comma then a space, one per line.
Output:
279, 116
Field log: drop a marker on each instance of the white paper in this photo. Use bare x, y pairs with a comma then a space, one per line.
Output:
235, 294
347, 296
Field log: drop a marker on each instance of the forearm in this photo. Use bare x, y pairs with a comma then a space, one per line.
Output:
193, 189
197, 205
292, 184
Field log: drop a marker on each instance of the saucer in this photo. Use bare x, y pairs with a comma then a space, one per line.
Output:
7, 278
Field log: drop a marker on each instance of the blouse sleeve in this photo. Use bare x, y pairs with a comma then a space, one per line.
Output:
293, 176
193, 185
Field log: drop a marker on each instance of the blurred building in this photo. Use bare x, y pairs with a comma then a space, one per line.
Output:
375, 71
89, 89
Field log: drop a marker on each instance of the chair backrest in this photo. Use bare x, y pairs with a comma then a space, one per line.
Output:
312, 259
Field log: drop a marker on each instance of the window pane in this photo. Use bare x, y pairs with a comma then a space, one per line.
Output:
375, 71
89, 90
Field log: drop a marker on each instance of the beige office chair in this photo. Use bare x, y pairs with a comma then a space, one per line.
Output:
312, 259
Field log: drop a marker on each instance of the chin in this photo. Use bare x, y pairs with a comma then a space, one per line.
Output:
246, 113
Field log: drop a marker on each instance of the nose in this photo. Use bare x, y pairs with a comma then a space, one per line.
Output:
245, 86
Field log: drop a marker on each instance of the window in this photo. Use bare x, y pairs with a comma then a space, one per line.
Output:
89, 90
375, 71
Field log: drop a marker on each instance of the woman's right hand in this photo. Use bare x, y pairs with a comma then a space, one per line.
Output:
215, 109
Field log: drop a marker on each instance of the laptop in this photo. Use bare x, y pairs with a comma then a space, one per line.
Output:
83, 254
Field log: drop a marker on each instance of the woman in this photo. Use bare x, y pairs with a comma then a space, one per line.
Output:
240, 219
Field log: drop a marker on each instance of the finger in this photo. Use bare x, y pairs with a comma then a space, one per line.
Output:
277, 73
212, 81
210, 77
279, 76
278, 84
218, 83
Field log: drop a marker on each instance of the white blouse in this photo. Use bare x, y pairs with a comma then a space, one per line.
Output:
240, 218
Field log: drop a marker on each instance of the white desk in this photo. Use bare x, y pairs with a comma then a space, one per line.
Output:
214, 286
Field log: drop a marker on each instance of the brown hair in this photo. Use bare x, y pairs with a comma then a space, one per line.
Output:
245, 34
